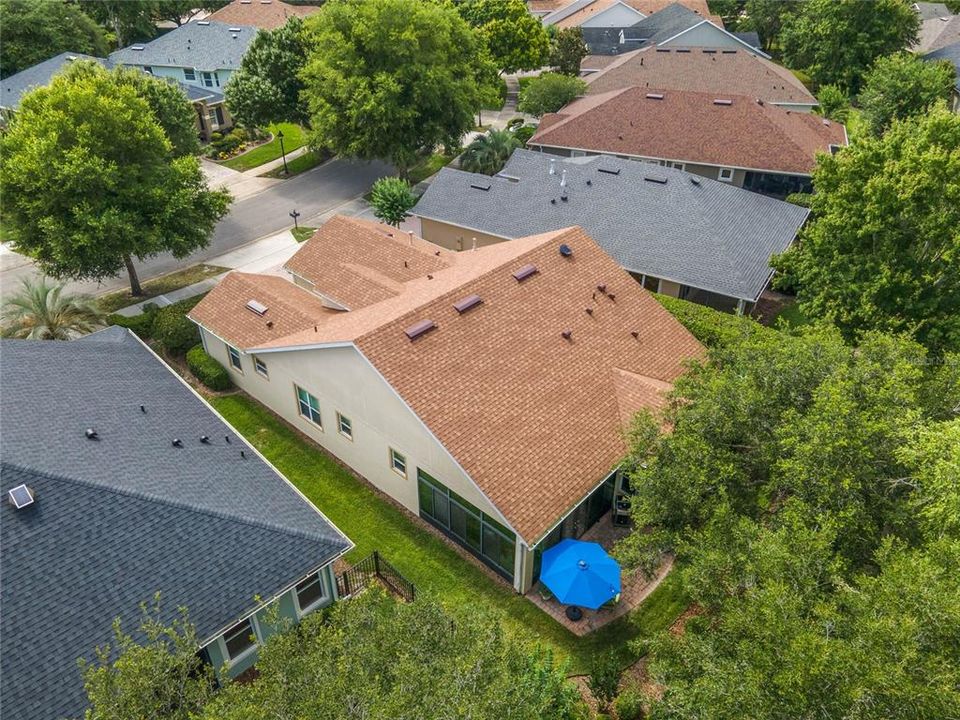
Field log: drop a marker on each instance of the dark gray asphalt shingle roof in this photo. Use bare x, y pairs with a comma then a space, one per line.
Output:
711, 236
204, 45
950, 53
128, 515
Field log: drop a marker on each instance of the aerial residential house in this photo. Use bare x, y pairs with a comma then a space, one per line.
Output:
676, 233
708, 70
263, 14
484, 391
119, 482
939, 27
949, 53
737, 139
211, 111
202, 53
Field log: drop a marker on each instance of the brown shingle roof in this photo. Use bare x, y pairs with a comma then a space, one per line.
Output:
264, 14
358, 262
690, 127
737, 73
647, 7
289, 309
533, 418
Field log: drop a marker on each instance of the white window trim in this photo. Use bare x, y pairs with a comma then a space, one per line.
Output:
255, 627
340, 418
324, 599
230, 350
392, 453
192, 71
262, 373
296, 399
720, 176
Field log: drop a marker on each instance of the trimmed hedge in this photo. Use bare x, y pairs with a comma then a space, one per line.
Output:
711, 327
168, 326
207, 370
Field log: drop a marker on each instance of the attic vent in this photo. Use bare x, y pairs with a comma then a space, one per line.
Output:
566, 250
258, 307
203, 22
729, 52
420, 328
477, 186
659, 179
137, 47
683, 50
608, 171
245, 2
719, 101
21, 496
467, 303
663, 49
710, 52
525, 272
654, 96
235, 29
695, 181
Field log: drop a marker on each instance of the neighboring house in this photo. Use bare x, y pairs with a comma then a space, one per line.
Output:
128, 485
212, 113
485, 391
731, 138
674, 26
607, 13
202, 53
937, 27
950, 53
709, 70
263, 14
675, 233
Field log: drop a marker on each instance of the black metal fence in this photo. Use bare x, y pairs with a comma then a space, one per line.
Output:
374, 567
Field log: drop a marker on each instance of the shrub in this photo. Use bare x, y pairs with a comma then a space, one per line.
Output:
549, 92
392, 199
514, 123
604, 678
141, 325
175, 333
629, 705
207, 370
522, 134
711, 327
833, 103
800, 198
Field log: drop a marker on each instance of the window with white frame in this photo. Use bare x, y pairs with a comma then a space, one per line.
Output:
345, 426
208, 79
234, 358
260, 366
190, 74
725, 175
309, 406
398, 462
240, 639
310, 593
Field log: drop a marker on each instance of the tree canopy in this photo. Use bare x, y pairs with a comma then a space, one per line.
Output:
882, 250
389, 78
35, 30
568, 50
91, 181
266, 89
515, 39
836, 41
900, 85
392, 199
549, 92
489, 152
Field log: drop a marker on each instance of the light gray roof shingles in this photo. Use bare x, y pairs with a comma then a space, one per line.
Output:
203, 45
120, 518
710, 235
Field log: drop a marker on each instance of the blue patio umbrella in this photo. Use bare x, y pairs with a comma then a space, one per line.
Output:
580, 573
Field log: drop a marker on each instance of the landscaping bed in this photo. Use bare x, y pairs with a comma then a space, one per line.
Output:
293, 138
111, 302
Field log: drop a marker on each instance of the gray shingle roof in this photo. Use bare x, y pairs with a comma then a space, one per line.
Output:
951, 53
120, 518
204, 45
711, 236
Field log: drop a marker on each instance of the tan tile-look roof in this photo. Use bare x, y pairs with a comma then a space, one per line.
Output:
647, 7
701, 70
264, 14
533, 418
358, 262
224, 310
690, 127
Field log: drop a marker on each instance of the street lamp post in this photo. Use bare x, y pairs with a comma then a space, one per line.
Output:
283, 152
294, 214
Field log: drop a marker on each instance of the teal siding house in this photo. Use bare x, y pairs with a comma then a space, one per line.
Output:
119, 483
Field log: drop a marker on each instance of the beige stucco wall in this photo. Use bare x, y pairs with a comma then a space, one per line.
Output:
343, 381
453, 237
706, 35
668, 287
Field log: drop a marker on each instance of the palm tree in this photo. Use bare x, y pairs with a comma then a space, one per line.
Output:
43, 311
488, 153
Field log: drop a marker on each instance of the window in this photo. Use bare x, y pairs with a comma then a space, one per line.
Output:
234, 358
260, 366
309, 406
345, 426
398, 462
577, 153
207, 79
239, 639
677, 165
725, 175
190, 74
219, 111
310, 593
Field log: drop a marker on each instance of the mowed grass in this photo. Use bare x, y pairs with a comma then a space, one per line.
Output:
111, 302
299, 164
293, 137
429, 165
434, 567
303, 233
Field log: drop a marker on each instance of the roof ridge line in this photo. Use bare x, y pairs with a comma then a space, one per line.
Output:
127, 492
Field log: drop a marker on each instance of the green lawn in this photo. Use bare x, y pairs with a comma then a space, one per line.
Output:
293, 137
303, 233
429, 563
302, 163
792, 316
429, 165
112, 302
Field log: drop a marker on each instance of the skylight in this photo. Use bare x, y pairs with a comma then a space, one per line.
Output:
258, 307
21, 496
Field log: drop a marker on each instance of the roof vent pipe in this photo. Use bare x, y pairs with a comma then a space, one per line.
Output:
567, 334
553, 167
177, 442
142, 409
92, 434
205, 439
